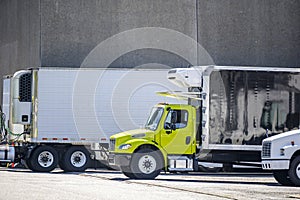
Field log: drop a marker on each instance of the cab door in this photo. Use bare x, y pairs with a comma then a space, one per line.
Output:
177, 136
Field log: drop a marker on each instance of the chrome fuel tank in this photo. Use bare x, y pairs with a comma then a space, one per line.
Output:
7, 153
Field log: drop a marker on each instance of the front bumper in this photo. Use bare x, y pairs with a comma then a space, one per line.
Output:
275, 164
119, 159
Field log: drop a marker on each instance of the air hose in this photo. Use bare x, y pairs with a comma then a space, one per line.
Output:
4, 131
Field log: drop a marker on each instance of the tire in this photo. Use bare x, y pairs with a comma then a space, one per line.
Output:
146, 164
282, 177
61, 164
28, 165
127, 172
76, 159
43, 159
294, 171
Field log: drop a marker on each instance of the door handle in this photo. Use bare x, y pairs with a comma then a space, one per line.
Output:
187, 140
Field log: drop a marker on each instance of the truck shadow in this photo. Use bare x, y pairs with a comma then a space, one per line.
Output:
205, 181
221, 182
191, 179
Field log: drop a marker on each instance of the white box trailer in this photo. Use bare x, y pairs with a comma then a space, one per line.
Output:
66, 116
240, 107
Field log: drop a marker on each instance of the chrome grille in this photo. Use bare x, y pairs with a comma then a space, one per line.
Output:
266, 150
112, 144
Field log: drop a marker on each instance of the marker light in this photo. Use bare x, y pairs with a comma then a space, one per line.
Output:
292, 143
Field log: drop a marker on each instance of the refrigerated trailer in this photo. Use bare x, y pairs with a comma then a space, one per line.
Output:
55, 116
230, 111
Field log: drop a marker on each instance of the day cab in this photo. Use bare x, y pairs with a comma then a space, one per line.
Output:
167, 142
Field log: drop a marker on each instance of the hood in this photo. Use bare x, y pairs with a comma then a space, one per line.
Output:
136, 133
286, 135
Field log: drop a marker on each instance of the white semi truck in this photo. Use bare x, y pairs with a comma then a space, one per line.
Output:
65, 117
281, 154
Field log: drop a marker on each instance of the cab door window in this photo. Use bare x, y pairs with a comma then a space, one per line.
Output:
177, 118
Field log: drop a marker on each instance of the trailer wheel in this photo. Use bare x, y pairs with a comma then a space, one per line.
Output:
282, 177
76, 159
43, 159
127, 172
146, 164
294, 171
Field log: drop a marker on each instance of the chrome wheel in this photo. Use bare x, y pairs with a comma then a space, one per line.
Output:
45, 159
75, 159
294, 171
298, 171
147, 164
78, 159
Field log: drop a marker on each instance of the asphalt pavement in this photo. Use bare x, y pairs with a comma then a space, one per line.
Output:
113, 185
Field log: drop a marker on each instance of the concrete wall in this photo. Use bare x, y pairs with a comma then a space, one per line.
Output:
19, 36
71, 29
256, 32
234, 32
61, 33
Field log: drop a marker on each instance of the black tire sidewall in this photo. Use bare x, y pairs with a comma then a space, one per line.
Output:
292, 171
282, 177
135, 160
127, 172
66, 160
33, 160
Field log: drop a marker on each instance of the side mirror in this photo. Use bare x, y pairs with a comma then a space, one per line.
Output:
173, 120
173, 117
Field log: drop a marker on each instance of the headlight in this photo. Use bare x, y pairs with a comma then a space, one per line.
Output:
125, 146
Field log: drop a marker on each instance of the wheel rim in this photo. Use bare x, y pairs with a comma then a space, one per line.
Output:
78, 159
298, 171
147, 164
45, 159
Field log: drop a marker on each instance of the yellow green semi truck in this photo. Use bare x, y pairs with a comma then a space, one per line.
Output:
229, 111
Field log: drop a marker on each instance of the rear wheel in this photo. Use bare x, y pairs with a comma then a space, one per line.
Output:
146, 164
43, 159
294, 171
76, 159
282, 177
27, 162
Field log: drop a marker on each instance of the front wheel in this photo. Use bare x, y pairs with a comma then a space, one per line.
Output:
282, 177
43, 159
294, 171
146, 164
127, 172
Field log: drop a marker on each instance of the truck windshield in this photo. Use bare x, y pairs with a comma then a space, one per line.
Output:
154, 118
